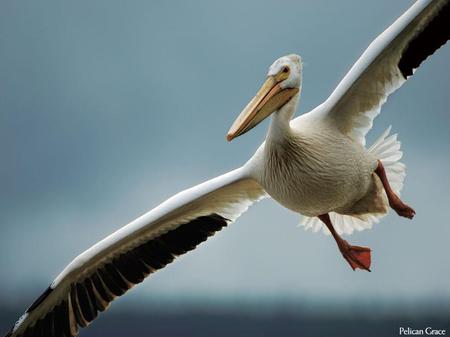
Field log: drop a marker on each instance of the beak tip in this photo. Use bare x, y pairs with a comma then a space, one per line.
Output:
229, 137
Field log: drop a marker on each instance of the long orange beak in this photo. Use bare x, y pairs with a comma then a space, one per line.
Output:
269, 98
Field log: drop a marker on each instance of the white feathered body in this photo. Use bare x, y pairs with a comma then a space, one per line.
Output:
315, 169
312, 168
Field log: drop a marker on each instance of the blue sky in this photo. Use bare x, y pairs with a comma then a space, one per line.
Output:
109, 107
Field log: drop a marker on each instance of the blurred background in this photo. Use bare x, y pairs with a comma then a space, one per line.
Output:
109, 107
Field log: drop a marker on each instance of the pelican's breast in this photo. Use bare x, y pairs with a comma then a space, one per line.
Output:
316, 171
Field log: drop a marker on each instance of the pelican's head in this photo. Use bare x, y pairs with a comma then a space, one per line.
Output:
283, 82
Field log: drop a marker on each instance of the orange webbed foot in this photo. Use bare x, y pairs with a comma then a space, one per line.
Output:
358, 257
403, 209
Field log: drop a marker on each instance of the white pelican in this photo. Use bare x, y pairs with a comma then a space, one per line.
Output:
316, 165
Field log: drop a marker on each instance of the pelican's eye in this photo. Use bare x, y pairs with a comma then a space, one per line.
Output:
283, 74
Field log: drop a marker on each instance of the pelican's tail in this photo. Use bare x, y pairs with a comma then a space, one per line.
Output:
387, 149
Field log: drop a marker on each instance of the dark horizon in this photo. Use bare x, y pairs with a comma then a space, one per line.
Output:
256, 320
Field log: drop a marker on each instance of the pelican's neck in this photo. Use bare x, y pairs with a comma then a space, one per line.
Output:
280, 124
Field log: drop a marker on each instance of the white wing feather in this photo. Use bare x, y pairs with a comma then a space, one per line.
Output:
385, 65
221, 199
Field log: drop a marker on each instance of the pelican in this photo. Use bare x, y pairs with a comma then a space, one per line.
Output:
317, 165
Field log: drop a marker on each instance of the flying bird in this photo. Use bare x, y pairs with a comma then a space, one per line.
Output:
317, 165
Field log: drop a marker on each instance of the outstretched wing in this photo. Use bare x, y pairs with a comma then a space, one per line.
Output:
117, 263
386, 64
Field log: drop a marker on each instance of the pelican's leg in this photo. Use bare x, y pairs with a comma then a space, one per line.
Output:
396, 204
357, 257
